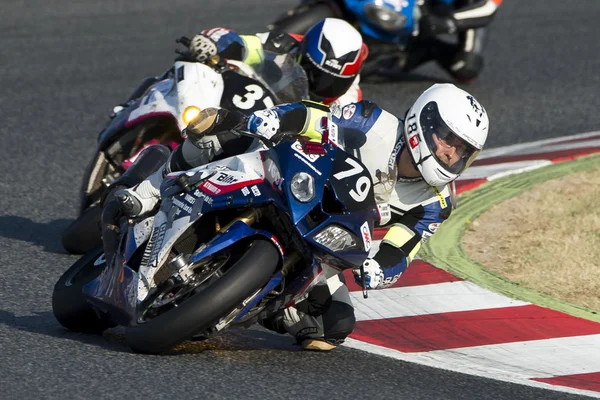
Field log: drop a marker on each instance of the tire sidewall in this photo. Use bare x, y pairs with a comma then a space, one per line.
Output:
84, 234
69, 304
251, 272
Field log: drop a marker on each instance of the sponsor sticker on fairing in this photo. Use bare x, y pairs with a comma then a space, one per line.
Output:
297, 146
225, 178
366, 236
211, 188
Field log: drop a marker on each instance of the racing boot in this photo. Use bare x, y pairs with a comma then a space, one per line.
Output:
318, 344
299, 325
143, 197
307, 330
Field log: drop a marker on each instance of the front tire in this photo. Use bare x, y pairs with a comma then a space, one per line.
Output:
85, 233
69, 304
252, 271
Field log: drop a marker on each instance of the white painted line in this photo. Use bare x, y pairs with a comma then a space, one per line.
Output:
512, 149
476, 367
519, 170
531, 359
550, 148
427, 299
485, 171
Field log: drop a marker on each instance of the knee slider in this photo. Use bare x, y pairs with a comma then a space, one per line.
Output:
338, 321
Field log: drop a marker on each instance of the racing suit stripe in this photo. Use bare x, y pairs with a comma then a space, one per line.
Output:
442, 199
398, 235
314, 113
254, 49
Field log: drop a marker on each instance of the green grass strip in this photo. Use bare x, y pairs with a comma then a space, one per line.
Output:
445, 248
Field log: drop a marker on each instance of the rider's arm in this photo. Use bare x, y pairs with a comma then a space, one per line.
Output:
408, 231
450, 16
352, 95
468, 14
247, 48
218, 41
288, 119
476, 14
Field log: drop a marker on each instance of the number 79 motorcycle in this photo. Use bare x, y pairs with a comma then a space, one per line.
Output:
233, 242
159, 114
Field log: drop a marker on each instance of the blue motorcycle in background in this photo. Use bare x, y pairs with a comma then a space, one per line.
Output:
388, 27
234, 242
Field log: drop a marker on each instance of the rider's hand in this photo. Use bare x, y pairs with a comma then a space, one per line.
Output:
434, 25
266, 123
212, 121
202, 47
375, 276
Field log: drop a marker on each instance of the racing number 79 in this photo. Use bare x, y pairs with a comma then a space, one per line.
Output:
363, 183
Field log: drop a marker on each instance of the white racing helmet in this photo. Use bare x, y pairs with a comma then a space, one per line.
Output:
445, 130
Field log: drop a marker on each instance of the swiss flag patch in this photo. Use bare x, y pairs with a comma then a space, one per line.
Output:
414, 141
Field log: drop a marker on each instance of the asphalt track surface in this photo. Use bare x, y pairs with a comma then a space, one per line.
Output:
64, 63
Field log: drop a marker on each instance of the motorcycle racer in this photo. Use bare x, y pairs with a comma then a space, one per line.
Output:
402, 35
411, 161
331, 53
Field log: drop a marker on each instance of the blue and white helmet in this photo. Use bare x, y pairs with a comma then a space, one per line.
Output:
332, 53
445, 130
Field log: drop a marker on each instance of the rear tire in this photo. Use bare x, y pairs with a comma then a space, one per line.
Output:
199, 312
85, 233
69, 304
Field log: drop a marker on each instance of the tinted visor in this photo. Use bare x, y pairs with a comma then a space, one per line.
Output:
452, 152
324, 84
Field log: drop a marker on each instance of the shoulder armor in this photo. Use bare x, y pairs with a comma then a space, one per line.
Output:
367, 107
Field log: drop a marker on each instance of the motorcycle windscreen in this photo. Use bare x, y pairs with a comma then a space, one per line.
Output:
280, 73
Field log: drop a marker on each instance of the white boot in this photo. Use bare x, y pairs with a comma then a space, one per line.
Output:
143, 197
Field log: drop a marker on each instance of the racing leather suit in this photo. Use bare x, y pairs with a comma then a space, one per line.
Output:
410, 209
247, 48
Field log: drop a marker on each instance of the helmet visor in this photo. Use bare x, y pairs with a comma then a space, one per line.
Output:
322, 83
452, 152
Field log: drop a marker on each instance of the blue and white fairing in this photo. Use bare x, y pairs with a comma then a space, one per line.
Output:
343, 201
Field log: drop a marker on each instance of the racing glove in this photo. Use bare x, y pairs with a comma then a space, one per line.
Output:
375, 276
212, 121
202, 47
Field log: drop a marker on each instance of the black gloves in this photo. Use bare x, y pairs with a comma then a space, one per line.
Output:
213, 121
